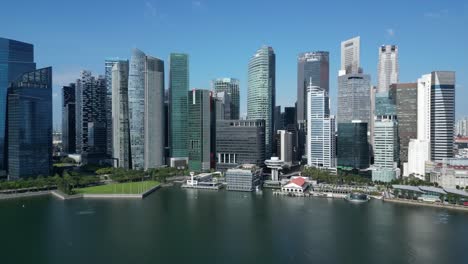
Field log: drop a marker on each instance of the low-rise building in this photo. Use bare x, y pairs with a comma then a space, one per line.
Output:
449, 173
243, 178
297, 186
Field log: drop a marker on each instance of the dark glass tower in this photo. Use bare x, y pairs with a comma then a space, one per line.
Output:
29, 124
16, 58
352, 146
69, 119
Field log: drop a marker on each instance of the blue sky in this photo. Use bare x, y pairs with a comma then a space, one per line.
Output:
220, 36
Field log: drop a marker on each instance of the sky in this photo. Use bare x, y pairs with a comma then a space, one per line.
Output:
221, 36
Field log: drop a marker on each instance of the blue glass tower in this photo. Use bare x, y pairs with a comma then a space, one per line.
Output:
29, 124
16, 58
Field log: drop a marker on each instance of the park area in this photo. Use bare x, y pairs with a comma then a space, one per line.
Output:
119, 188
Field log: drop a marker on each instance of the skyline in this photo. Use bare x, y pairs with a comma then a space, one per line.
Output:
423, 35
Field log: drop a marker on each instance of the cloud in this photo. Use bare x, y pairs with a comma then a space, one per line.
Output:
436, 14
390, 32
150, 10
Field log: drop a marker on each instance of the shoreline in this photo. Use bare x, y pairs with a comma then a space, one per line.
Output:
426, 204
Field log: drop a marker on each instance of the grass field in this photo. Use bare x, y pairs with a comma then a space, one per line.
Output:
119, 188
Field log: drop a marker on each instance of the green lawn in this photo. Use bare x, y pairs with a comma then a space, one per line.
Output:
119, 188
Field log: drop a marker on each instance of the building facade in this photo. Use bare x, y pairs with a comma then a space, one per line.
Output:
178, 114
285, 146
29, 124
461, 127
385, 150
231, 87
350, 56
239, 142
243, 178
388, 67
354, 98
353, 146
261, 92
16, 58
69, 119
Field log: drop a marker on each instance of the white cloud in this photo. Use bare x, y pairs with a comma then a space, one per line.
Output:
390, 32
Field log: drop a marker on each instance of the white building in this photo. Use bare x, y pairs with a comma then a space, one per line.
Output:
297, 186
461, 128
418, 154
285, 146
350, 56
449, 173
388, 67
385, 150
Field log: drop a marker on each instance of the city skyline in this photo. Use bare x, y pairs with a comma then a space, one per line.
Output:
415, 57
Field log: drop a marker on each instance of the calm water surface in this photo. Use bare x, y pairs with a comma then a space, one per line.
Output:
193, 226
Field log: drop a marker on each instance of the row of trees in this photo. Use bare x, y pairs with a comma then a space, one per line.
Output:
340, 178
124, 175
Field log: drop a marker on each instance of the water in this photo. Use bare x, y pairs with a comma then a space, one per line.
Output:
194, 226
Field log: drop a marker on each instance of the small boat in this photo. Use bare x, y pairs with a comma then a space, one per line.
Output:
357, 197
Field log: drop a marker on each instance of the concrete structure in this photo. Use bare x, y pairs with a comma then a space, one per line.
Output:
385, 151
222, 101
231, 87
16, 58
418, 154
243, 178
239, 142
350, 56
146, 108
461, 127
29, 124
449, 173
178, 114
285, 146
120, 115
387, 70
69, 119
275, 164
262, 92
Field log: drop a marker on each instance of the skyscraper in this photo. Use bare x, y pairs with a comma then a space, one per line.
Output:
16, 58
109, 63
120, 115
442, 114
321, 143
354, 98
285, 146
461, 127
178, 96
350, 56
223, 105
200, 130
353, 145
385, 150
262, 92
91, 133
388, 67
69, 119
146, 108
29, 124
231, 87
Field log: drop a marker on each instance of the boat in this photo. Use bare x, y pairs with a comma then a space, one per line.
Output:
357, 197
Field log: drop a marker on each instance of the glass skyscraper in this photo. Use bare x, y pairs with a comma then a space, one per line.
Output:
178, 114
69, 119
230, 86
29, 124
262, 92
352, 146
16, 58
354, 98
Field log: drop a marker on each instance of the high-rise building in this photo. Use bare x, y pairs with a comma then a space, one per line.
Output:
29, 124
285, 146
109, 63
223, 105
16, 58
201, 122
461, 127
352, 145
231, 87
442, 114
405, 97
146, 109
262, 92
354, 98
388, 67
321, 145
239, 142
69, 119
120, 115
90, 95
178, 114
350, 56
385, 150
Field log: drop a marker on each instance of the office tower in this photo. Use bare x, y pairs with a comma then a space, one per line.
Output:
350, 56
461, 127
320, 129
90, 94
285, 146
244, 178
29, 124
231, 87
16, 58
223, 105
120, 115
385, 150
261, 92
405, 97
354, 98
288, 117
178, 88
442, 114
352, 146
388, 67
146, 110
69, 119
239, 142
108, 64
200, 133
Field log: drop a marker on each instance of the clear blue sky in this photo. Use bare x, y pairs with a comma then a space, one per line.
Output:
220, 36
